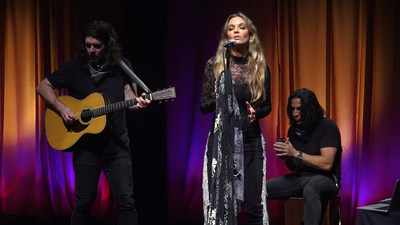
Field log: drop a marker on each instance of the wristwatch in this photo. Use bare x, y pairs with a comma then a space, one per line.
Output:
299, 155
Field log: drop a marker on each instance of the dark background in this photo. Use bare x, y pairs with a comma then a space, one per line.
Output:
143, 38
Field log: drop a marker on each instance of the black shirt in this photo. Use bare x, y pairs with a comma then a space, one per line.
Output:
324, 134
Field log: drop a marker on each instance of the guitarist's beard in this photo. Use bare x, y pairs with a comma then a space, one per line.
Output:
96, 57
97, 64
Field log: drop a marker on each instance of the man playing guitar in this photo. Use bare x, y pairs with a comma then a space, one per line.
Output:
95, 68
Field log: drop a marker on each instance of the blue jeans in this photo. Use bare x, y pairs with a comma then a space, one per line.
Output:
117, 166
315, 188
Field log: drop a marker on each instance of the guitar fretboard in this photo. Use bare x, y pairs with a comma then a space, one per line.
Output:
113, 107
110, 108
158, 96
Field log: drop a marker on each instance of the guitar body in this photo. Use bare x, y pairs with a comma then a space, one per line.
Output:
62, 136
91, 116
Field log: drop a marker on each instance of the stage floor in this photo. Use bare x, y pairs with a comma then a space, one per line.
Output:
35, 220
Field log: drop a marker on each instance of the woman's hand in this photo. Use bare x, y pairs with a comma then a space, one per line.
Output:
252, 112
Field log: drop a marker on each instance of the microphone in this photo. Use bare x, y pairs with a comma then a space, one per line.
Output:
230, 43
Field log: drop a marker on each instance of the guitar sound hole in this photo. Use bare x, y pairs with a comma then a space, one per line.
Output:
86, 115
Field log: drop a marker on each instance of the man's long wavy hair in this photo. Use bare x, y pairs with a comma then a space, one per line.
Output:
310, 109
104, 32
254, 56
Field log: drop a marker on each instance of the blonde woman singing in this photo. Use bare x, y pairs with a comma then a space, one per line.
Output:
234, 162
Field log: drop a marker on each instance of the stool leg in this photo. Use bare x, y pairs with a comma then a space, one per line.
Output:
340, 213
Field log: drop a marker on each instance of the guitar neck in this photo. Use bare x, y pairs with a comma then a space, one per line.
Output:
165, 94
116, 106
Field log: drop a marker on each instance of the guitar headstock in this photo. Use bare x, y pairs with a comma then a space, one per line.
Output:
164, 94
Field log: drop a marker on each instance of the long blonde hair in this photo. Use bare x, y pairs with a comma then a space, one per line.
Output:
255, 56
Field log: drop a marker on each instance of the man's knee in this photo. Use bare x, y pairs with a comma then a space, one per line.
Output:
126, 205
311, 192
83, 206
321, 188
272, 187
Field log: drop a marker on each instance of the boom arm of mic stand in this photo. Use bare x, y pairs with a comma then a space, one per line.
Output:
134, 77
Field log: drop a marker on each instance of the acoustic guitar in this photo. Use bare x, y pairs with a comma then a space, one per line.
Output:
91, 115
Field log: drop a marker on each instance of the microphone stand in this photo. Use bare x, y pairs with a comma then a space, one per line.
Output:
133, 76
227, 55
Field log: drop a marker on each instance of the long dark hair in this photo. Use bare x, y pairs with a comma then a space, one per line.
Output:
104, 32
311, 110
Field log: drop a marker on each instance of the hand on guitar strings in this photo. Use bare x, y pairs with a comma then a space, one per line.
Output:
67, 115
142, 101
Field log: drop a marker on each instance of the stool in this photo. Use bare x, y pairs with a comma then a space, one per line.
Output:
294, 210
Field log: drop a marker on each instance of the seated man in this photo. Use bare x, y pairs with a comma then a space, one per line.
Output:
313, 150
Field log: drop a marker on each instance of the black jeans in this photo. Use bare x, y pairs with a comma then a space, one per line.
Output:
253, 172
117, 166
315, 188
253, 178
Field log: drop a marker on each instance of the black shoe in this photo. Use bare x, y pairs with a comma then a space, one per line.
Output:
302, 221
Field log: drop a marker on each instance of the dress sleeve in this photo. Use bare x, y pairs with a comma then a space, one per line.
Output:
265, 107
207, 100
